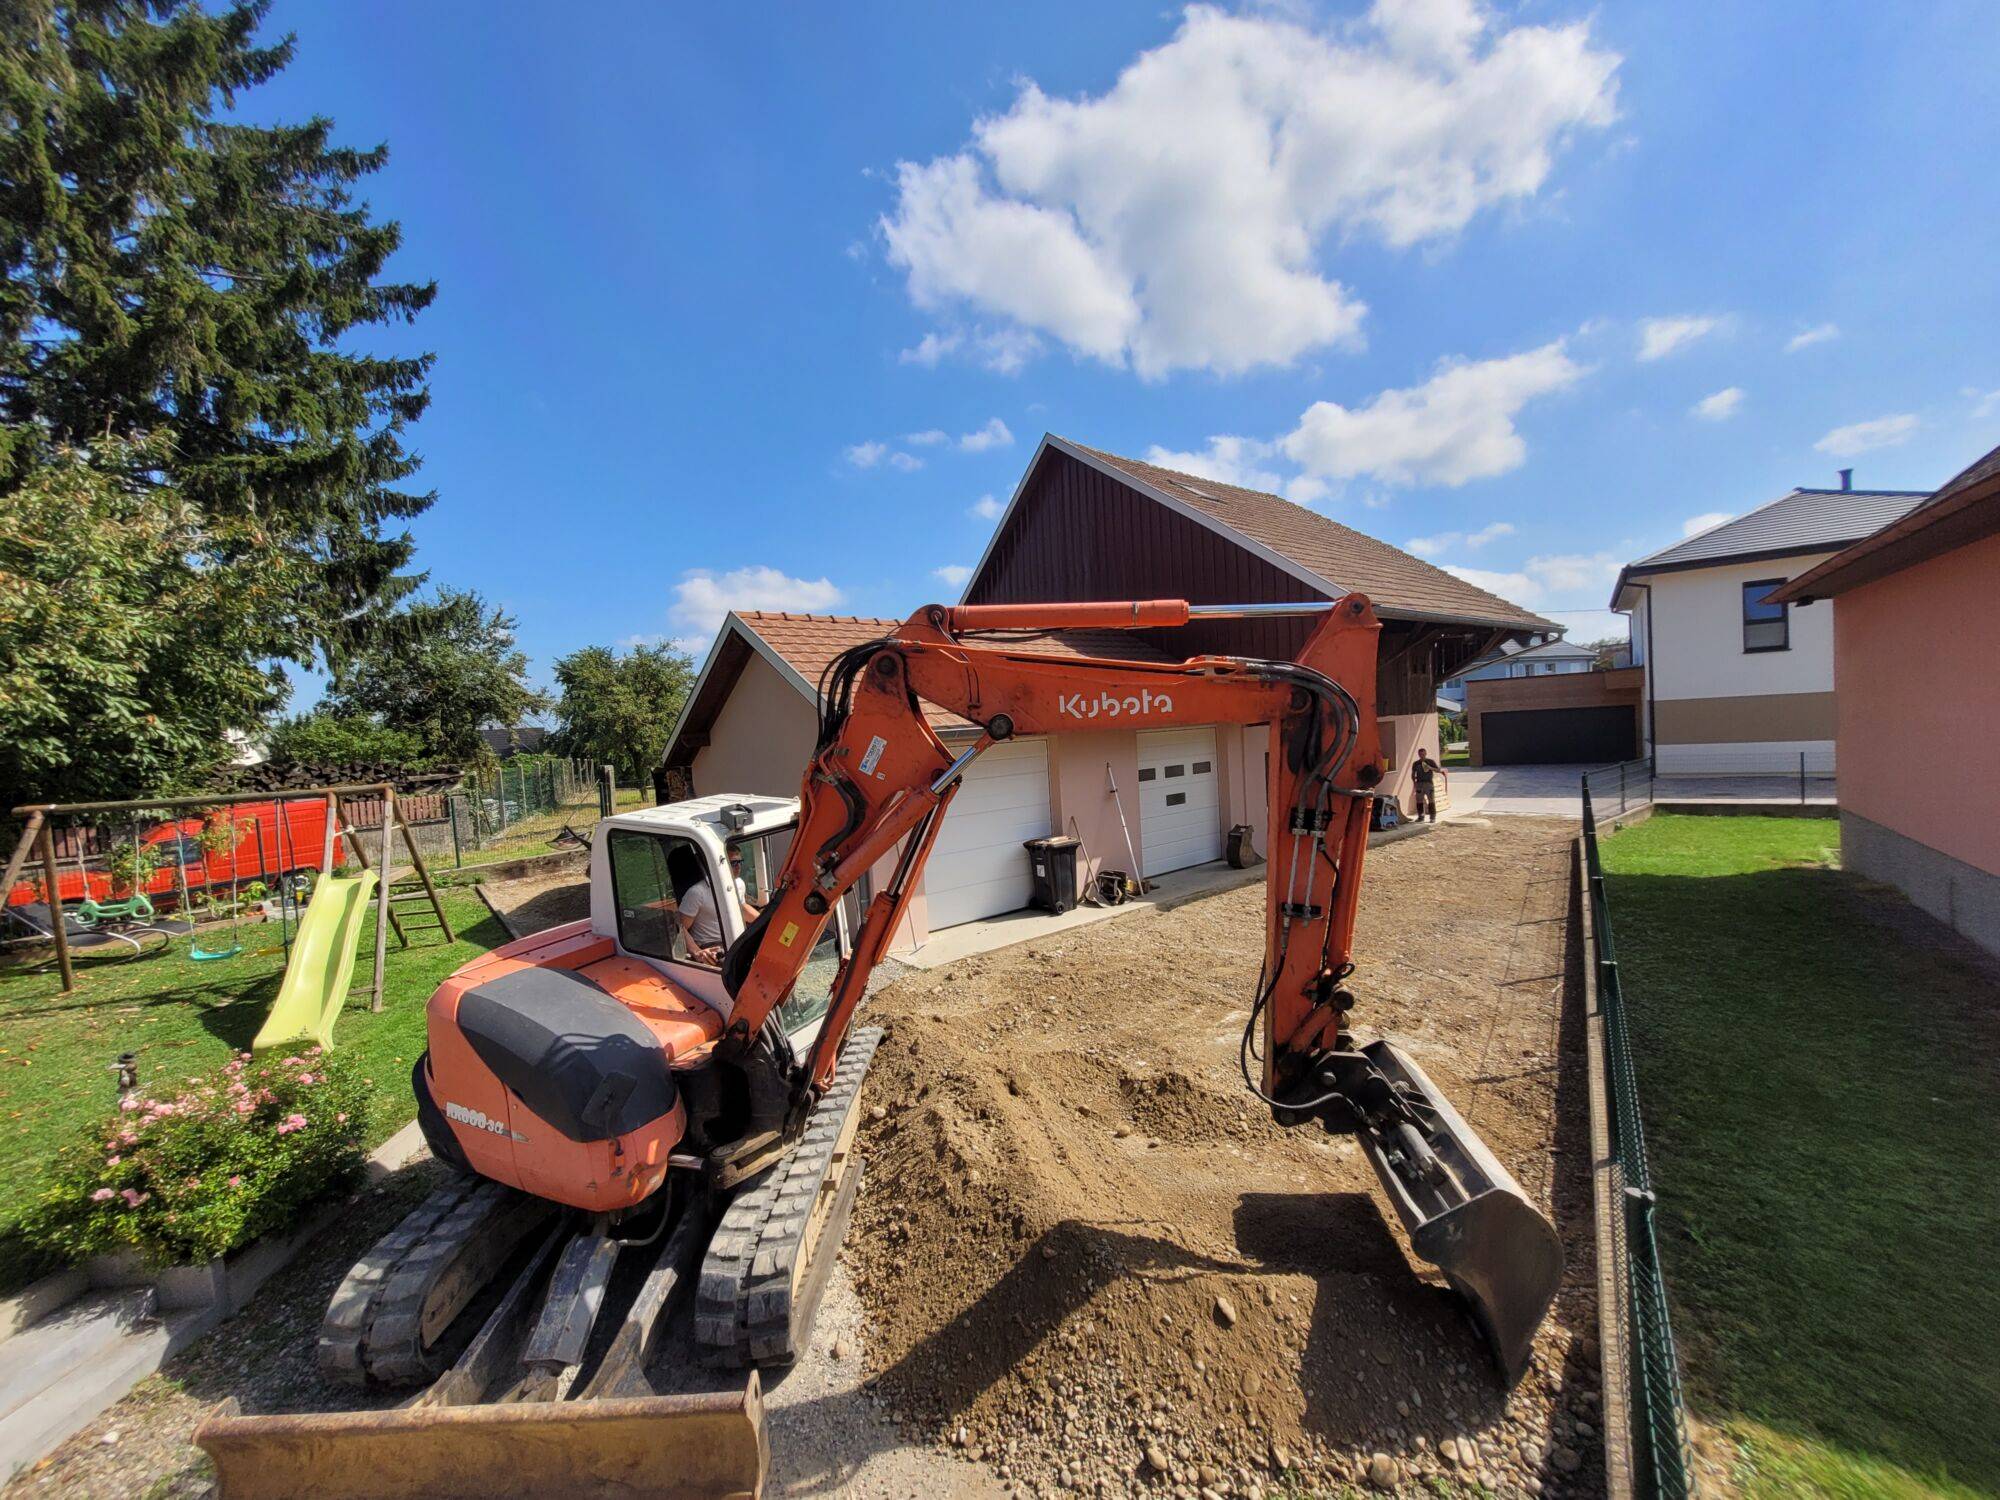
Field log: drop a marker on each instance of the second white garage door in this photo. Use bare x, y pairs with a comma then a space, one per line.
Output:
1180, 806
978, 867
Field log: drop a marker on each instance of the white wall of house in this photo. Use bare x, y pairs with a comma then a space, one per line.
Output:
1717, 707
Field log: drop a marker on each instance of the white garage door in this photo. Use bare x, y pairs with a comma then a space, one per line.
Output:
978, 867
1180, 817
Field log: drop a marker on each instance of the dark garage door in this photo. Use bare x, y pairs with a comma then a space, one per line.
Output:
1558, 736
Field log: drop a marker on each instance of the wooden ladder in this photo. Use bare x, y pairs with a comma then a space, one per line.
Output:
408, 889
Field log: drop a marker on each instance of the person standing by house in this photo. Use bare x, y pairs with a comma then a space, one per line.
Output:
1424, 774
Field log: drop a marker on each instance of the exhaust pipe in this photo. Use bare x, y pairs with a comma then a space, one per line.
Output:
1466, 1214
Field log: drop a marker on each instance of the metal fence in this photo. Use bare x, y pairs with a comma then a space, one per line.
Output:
1661, 1462
518, 789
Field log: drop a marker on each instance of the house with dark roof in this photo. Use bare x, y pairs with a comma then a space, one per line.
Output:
1916, 632
1084, 524
1736, 681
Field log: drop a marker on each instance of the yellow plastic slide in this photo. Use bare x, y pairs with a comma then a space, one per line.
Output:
322, 965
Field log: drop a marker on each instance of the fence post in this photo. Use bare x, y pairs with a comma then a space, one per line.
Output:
607, 793
1621, 788
1802, 778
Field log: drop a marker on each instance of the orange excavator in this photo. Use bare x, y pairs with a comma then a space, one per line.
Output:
656, 1106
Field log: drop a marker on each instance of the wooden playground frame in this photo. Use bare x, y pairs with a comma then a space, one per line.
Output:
38, 835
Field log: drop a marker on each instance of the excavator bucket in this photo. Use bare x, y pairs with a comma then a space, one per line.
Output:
700, 1447
1466, 1215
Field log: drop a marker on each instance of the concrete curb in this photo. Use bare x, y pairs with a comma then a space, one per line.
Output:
1614, 1375
143, 1317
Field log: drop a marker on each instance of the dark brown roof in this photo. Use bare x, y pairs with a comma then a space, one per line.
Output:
1347, 559
807, 643
1966, 509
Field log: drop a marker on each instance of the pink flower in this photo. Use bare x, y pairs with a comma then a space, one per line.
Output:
243, 1057
133, 1198
112, 1161
340, 1119
306, 1078
244, 1107
295, 1062
236, 1181
129, 1103
102, 1195
290, 1123
128, 1139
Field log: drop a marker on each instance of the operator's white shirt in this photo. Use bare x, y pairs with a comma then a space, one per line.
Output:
704, 922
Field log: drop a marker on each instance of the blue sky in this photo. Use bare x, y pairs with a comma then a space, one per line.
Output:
745, 307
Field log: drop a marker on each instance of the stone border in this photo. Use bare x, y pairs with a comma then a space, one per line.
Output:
1614, 1371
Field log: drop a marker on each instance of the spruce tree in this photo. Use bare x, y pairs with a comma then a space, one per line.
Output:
189, 284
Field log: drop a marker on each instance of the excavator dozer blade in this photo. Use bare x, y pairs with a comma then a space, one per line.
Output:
699, 1447
1467, 1216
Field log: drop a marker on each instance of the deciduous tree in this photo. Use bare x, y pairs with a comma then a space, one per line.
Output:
620, 709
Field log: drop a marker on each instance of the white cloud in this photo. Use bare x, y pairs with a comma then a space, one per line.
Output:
1443, 542
931, 348
1659, 337
1810, 337
1006, 350
1457, 426
1984, 403
987, 508
1861, 437
1720, 406
867, 455
702, 598
993, 435
952, 573
1548, 581
1695, 525
905, 463
1176, 219
930, 437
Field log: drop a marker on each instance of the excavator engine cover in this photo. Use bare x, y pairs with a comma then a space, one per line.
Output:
1466, 1214
547, 1083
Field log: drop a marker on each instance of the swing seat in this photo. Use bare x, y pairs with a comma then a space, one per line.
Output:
209, 956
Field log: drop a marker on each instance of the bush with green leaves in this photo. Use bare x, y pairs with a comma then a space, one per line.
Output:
326, 738
196, 1174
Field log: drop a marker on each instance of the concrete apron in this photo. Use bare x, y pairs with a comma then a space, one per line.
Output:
990, 934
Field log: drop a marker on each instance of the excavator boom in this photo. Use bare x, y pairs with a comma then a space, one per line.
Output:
881, 780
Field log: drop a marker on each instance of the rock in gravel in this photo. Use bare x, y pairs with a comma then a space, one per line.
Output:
878, 1113
841, 1349
1156, 1458
1383, 1472
1225, 1311
1568, 1460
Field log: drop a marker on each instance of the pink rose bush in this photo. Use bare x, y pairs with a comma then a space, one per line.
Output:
193, 1174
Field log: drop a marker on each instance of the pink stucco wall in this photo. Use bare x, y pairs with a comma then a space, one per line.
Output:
1918, 701
1079, 789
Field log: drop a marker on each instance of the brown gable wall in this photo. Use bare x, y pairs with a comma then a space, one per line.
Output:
1080, 534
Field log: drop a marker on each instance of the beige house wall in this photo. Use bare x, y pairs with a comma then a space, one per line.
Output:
760, 742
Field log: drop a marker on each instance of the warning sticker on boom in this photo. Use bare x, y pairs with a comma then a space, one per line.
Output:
875, 748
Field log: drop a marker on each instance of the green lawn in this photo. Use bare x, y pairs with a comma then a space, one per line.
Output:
1823, 1112
57, 1051
532, 835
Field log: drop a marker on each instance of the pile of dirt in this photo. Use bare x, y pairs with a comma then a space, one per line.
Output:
1091, 1261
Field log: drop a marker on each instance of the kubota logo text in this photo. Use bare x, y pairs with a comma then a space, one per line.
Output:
1111, 706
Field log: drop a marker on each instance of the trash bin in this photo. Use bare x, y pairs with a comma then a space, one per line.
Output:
1053, 861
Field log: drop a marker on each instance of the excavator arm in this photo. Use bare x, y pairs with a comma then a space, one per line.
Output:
881, 781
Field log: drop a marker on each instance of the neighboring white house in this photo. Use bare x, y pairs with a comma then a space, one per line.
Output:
1512, 660
1735, 684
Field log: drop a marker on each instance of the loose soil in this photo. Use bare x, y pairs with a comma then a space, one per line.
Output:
1090, 1260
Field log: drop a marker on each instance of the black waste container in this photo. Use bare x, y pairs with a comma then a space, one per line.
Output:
1053, 861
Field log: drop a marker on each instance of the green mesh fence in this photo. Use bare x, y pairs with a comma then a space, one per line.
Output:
1662, 1469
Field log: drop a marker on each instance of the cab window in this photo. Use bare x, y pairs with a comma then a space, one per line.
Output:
651, 874
762, 861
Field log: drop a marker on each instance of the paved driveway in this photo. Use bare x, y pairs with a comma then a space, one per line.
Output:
1545, 791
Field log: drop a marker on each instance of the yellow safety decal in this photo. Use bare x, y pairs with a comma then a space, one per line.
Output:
785, 938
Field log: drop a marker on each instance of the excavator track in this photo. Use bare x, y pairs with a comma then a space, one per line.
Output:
386, 1323
769, 1257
